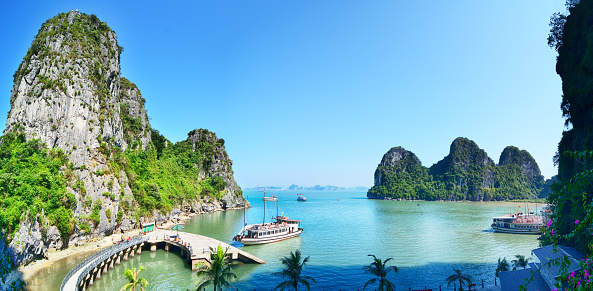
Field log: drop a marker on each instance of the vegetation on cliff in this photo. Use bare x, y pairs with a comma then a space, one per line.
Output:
467, 173
31, 183
78, 151
572, 196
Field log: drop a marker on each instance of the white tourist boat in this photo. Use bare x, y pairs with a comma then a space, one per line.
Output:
518, 223
280, 228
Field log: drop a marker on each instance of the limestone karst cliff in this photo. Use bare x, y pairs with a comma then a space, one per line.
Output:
111, 168
466, 173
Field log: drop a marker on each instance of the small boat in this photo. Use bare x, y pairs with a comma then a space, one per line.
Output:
279, 229
518, 223
301, 197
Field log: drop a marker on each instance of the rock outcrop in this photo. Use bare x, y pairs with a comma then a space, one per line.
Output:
69, 93
467, 168
466, 173
396, 160
216, 164
529, 169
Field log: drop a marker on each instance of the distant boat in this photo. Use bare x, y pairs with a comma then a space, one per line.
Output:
280, 229
518, 223
301, 197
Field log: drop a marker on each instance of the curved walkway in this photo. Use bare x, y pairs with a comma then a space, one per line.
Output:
196, 249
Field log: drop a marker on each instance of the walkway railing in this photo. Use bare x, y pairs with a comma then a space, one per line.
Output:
100, 256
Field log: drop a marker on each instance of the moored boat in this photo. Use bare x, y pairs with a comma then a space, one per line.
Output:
279, 229
301, 197
256, 234
519, 223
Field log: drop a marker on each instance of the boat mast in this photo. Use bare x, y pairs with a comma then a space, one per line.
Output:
277, 211
264, 222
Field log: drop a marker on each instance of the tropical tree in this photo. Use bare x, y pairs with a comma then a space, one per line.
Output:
293, 266
135, 282
458, 276
219, 273
379, 269
521, 261
502, 266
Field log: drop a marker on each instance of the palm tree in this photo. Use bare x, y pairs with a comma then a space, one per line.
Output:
502, 266
457, 276
135, 282
218, 273
292, 270
378, 268
521, 261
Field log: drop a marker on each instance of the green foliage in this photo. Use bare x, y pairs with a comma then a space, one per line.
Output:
379, 269
219, 273
159, 142
132, 126
171, 178
462, 175
95, 216
135, 282
293, 268
30, 181
572, 195
457, 276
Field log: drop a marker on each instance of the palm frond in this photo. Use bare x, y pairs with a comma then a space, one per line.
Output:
371, 281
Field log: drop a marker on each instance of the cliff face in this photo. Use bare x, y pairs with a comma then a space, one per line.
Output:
467, 168
66, 89
68, 93
133, 114
216, 163
513, 156
396, 160
466, 173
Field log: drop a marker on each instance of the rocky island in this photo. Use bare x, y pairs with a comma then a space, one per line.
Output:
467, 173
79, 158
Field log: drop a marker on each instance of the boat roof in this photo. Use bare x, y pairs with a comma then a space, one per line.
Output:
285, 218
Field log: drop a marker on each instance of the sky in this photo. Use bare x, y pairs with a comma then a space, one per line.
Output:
316, 92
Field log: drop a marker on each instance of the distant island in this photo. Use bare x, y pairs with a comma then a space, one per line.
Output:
295, 187
467, 173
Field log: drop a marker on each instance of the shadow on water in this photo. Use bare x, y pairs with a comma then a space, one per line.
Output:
354, 277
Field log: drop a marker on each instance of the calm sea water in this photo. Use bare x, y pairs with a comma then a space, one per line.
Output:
426, 242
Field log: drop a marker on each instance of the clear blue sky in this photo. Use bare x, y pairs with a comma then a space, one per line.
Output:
315, 92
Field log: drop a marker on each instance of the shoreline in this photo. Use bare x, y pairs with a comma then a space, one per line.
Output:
30, 270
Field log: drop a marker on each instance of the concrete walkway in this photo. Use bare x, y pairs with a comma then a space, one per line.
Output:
196, 248
200, 245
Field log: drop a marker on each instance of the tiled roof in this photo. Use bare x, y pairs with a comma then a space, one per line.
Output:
512, 280
547, 254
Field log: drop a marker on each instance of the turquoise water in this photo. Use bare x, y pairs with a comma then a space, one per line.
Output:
340, 230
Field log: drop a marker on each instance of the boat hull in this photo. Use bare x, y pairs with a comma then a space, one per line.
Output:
269, 239
517, 230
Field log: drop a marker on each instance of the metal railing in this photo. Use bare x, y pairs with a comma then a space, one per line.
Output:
91, 262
